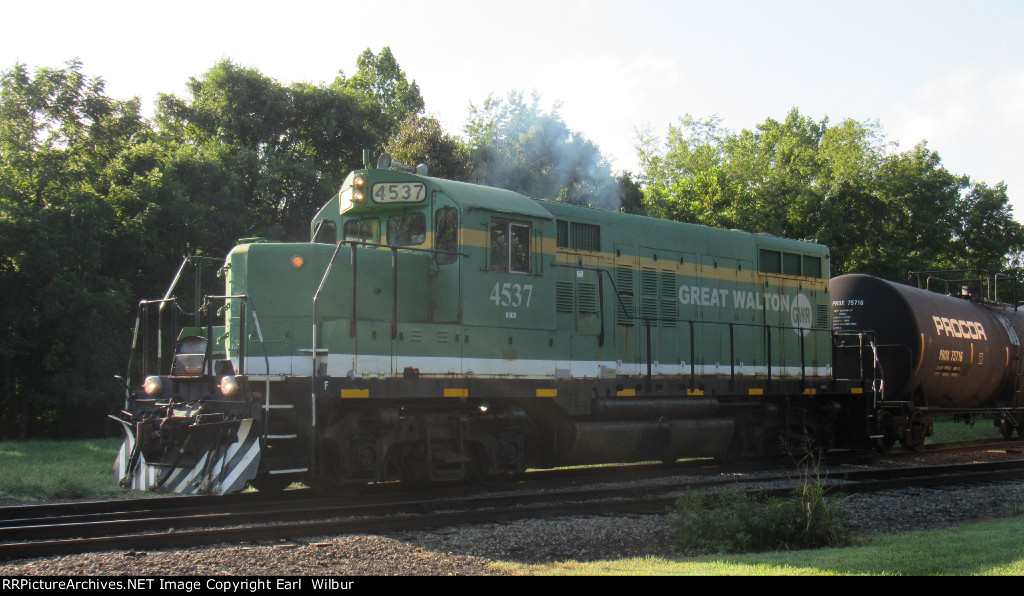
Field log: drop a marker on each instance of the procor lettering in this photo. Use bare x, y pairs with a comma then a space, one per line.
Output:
958, 328
705, 296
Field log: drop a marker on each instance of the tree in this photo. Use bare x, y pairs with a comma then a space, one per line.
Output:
388, 95
882, 213
65, 300
286, 148
518, 147
421, 139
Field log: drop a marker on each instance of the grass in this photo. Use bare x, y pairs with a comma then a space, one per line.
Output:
947, 430
47, 470
989, 548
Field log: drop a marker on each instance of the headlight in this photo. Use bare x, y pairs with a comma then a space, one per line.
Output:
153, 386
359, 181
229, 385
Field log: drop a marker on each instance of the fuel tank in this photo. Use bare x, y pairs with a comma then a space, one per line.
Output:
936, 350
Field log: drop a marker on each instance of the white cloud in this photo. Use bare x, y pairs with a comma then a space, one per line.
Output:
974, 119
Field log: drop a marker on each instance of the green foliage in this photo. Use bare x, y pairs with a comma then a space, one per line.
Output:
517, 146
98, 206
882, 213
733, 521
281, 149
988, 548
421, 139
385, 90
65, 304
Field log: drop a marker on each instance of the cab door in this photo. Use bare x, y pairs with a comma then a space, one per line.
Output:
446, 268
445, 340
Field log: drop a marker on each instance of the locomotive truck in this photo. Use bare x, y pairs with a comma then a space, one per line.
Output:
434, 330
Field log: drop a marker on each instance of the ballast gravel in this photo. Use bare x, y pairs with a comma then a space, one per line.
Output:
474, 550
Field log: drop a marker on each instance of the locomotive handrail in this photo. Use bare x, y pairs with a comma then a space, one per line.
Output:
170, 289
142, 320
242, 339
647, 322
353, 244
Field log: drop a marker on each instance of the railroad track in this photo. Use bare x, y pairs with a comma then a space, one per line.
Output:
48, 530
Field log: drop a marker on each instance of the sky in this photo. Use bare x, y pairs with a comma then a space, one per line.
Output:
947, 72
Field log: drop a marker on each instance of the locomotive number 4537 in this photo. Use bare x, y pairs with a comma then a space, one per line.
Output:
510, 294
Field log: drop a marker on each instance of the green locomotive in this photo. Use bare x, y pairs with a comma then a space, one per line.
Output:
437, 330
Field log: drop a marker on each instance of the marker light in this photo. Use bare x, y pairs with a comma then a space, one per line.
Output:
297, 262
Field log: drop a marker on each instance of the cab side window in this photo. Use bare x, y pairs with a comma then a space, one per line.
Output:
446, 235
326, 232
510, 247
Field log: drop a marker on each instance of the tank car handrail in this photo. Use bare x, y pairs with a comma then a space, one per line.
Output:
1012, 278
987, 280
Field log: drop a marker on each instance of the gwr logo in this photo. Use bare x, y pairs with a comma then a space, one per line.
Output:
957, 328
801, 314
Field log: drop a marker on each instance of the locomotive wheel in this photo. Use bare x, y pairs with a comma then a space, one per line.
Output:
410, 463
482, 473
329, 476
887, 427
270, 484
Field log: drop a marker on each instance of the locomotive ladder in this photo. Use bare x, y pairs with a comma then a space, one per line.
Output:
278, 437
280, 441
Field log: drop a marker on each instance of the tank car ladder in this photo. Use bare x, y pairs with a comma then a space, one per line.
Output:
874, 427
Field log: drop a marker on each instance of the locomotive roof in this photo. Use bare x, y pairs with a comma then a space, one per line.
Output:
491, 198
502, 201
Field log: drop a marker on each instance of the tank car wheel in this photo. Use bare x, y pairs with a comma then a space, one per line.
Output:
913, 436
1006, 428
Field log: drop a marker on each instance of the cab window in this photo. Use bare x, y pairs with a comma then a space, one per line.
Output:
446, 234
510, 247
326, 232
408, 229
362, 230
